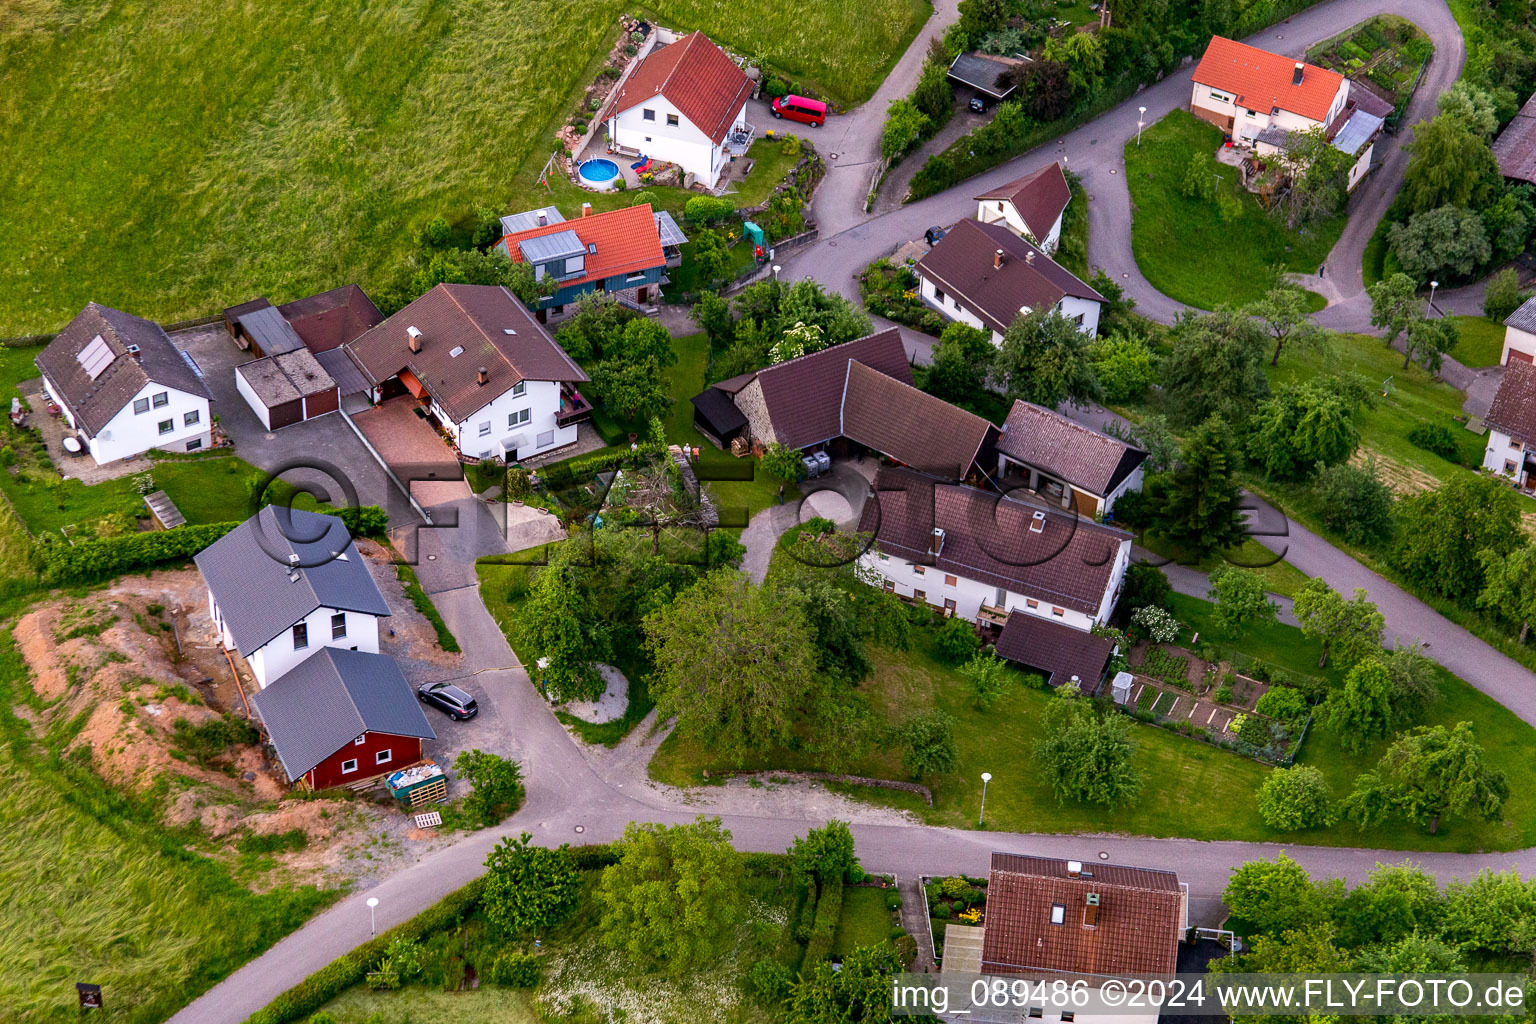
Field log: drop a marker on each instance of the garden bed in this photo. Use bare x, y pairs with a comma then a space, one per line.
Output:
892, 292
1387, 51
960, 899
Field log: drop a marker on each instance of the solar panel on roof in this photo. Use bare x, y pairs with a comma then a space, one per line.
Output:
96, 357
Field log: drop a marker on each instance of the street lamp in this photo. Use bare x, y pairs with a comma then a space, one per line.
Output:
776, 269
986, 777
373, 901
1432, 286
1140, 118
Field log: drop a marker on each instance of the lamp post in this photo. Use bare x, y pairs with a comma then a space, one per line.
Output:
776, 269
1140, 119
1432, 286
373, 901
986, 777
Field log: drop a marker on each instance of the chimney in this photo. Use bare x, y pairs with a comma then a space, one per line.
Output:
997, 260
1296, 75
1091, 911
1029, 257
1074, 868
543, 218
586, 209
481, 376
413, 338
134, 351
936, 542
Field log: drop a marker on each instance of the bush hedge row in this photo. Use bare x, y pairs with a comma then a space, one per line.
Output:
829, 909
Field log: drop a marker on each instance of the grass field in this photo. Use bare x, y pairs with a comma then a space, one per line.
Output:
1182, 244
1482, 341
865, 920
1189, 788
1280, 577
178, 158
95, 889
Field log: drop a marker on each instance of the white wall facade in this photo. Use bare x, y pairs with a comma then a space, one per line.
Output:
278, 656
1522, 343
1362, 166
1086, 502
1246, 123
540, 397
992, 211
952, 307
1505, 456
1074, 307
683, 144
257, 405
129, 433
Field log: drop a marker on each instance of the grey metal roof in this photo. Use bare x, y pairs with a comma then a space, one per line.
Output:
272, 333
556, 246
1524, 318
667, 228
1357, 131
984, 73
349, 379
1275, 136
248, 571
331, 698
512, 223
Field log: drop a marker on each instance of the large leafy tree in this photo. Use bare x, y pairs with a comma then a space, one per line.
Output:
558, 624
1045, 359
1444, 242
1276, 896
1283, 314
1428, 341
710, 256
962, 363
1415, 682
1445, 530
1199, 506
1122, 362
496, 784
1427, 775
1360, 711
1396, 901
529, 889
1355, 501
1303, 428
824, 855
928, 742
1349, 629
1450, 165
599, 320
1216, 367
1296, 798
713, 316
1316, 175
1394, 305
1240, 598
858, 992
1494, 912
1509, 586
674, 898
904, 125
1085, 756
735, 664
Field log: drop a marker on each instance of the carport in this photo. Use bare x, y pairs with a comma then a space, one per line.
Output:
985, 72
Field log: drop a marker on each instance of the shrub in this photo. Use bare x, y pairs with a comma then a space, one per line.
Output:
770, 981
89, 561
1156, 623
1283, 704
941, 911
1147, 585
775, 88
893, 901
1503, 296
708, 209
1436, 438
954, 887
1296, 798
516, 970
1356, 502
829, 910
955, 642
497, 785
204, 743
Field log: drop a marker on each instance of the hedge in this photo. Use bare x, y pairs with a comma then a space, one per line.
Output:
423, 602
829, 909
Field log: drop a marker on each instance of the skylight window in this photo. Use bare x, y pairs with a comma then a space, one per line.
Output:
96, 357
456, 351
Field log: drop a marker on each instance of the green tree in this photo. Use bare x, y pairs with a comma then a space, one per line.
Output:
1428, 341
1415, 681
904, 125
1044, 359
713, 315
1199, 504
557, 624
928, 741
1493, 912
1361, 711
1083, 56
1427, 775
1444, 530
1276, 896
1449, 165
1282, 312
675, 897
735, 664
962, 363
1086, 756
711, 256
1509, 586
859, 992
824, 855
1301, 429
1146, 585
985, 673
1200, 178
1292, 799
1503, 295
1507, 223
1396, 901
632, 391
1356, 502
496, 785
807, 302
642, 338
529, 889
780, 463
1240, 598
1215, 367
598, 320
1351, 629
934, 96
1316, 176
1470, 106
1122, 363
1445, 242
1394, 305
955, 641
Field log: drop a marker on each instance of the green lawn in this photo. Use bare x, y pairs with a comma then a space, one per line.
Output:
865, 920
95, 889
147, 147
770, 166
1280, 577
1482, 341
1182, 244
1189, 788
684, 280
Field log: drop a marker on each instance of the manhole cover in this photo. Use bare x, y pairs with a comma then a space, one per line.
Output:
832, 245
1103, 855
581, 828
431, 558
832, 156
1125, 275
1112, 170
1060, 142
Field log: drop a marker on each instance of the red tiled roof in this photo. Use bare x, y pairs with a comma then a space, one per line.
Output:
696, 77
1514, 406
1260, 80
627, 242
1039, 197
1135, 927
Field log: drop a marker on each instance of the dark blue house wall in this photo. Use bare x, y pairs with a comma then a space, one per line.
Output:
570, 293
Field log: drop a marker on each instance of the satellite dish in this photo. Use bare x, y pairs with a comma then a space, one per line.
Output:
72, 445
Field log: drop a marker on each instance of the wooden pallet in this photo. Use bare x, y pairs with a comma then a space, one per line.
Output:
434, 792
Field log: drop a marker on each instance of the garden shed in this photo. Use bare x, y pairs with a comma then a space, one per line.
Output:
716, 416
1059, 651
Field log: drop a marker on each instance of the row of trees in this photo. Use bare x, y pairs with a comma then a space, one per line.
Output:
769, 322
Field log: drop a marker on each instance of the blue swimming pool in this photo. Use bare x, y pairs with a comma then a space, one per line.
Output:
598, 174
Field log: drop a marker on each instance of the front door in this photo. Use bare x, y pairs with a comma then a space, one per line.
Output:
641, 294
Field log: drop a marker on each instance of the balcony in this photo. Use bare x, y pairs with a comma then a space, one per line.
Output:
573, 407
990, 615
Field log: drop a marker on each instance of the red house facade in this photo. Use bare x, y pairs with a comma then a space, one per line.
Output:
370, 755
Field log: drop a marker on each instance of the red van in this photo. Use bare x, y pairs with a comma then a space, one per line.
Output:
798, 108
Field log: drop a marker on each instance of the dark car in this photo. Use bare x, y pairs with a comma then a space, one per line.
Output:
979, 104
450, 700
934, 234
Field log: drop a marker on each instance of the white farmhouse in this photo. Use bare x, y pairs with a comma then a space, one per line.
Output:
1033, 206
684, 103
287, 583
481, 366
1520, 335
1511, 420
124, 387
987, 276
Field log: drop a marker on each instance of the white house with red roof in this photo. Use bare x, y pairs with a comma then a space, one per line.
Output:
618, 253
684, 103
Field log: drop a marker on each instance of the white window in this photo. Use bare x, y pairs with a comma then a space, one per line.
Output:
383, 757
192, 417
360, 740
166, 426
194, 444
522, 386
338, 625
1058, 913
348, 767
140, 405
634, 278
485, 428
1218, 97
647, 114
519, 417
300, 636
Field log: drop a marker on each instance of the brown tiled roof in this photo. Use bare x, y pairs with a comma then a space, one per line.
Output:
696, 77
1262, 81
962, 264
1040, 197
93, 403
1047, 440
1136, 930
910, 426
495, 331
1514, 406
286, 377
1056, 649
1515, 148
626, 242
804, 396
1070, 561
333, 317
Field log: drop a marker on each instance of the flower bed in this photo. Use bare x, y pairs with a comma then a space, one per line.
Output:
892, 292
960, 899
